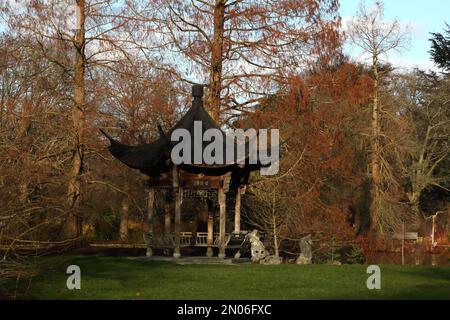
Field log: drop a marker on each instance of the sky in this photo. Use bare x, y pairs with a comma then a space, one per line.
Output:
422, 16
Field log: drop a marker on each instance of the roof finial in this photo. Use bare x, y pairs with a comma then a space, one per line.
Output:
197, 91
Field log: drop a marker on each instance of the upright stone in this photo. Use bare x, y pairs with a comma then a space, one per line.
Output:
305, 250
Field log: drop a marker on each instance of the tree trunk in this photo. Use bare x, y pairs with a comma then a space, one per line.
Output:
215, 82
415, 207
274, 227
73, 224
275, 237
25, 141
419, 177
375, 154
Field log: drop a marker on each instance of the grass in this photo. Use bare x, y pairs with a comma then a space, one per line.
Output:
126, 278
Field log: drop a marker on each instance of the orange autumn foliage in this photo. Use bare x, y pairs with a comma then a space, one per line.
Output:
316, 118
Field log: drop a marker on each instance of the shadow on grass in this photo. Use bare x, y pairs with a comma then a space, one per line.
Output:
126, 278
430, 272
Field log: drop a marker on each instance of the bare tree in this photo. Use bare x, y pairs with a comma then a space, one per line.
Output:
377, 37
134, 100
243, 49
266, 199
427, 115
32, 139
97, 34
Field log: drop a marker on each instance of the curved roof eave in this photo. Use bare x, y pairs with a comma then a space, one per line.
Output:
138, 157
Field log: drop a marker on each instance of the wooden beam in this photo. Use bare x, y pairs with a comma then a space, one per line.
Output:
237, 212
178, 193
150, 216
222, 221
188, 183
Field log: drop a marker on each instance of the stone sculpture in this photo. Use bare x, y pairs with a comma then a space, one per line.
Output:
258, 251
271, 260
305, 250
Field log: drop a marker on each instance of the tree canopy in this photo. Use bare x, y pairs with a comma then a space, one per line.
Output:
440, 48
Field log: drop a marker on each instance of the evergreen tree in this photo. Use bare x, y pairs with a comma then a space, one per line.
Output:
440, 49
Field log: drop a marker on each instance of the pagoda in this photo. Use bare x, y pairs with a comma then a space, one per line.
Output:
207, 183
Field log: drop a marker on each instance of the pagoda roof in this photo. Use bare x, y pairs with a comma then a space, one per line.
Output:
154, 158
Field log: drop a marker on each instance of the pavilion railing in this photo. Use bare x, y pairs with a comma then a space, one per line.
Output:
185, 239
188, 239
201, 240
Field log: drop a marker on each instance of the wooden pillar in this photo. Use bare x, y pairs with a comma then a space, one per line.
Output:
150, 214
433, 230
167, 214
222, 217
124, 214
178, 193
209, 250
403, 243
237, 212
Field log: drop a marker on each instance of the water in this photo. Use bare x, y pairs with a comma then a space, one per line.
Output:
420, 259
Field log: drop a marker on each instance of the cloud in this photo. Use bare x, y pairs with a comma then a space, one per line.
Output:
409, 64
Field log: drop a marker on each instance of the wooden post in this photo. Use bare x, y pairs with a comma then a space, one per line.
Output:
237, 217
150, 214
209, 250
167, 214
237, 212
178, 194
433, 230
124, 214
403, 243
222, 217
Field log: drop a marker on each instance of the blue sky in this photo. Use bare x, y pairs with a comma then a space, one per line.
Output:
423, 16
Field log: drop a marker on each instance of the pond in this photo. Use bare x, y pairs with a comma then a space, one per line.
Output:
423, 259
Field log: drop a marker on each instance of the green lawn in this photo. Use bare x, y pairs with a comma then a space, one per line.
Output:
127, 278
